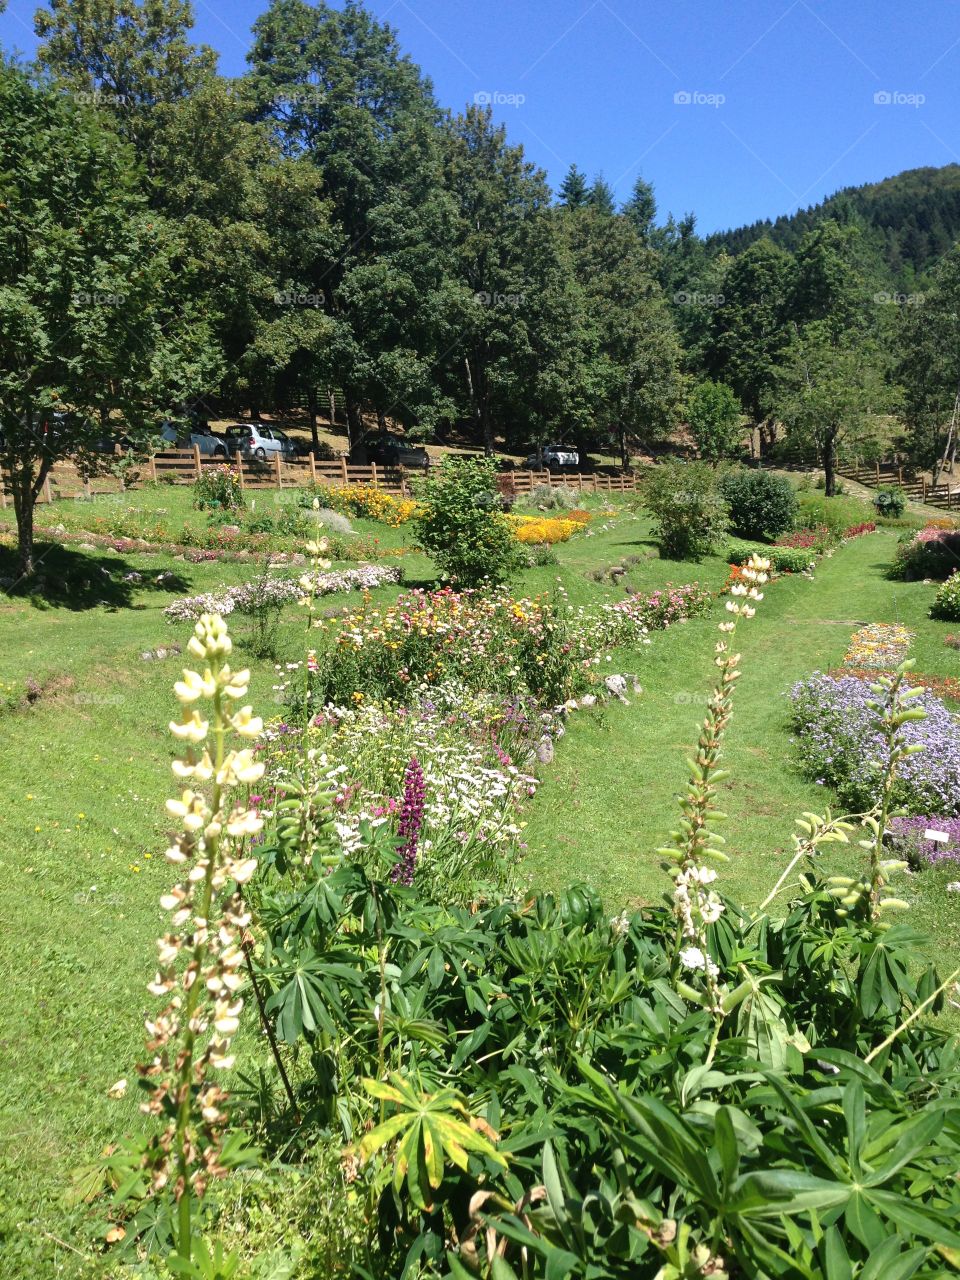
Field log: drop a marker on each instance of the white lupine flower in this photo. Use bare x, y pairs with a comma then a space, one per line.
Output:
246, 723
192, 729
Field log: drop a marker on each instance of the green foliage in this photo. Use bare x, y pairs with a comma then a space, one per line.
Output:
553, 497
762, 505
946, 603
690, 513
219, 489
461, 525
890, 502
713, 412
928, 554
782, 559
91, 329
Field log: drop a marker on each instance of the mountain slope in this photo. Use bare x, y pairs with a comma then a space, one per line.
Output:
912, 219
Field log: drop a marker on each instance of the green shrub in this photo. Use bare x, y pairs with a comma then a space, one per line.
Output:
890, 502
218, 489
690, 513
461, 525
783, 559
928, 553
762, 505
837, 514
946, 604
554, 497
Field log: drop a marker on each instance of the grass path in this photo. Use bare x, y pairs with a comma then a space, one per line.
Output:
609, 800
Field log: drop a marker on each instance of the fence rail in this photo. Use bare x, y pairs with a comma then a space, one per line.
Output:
890, 475
184, 466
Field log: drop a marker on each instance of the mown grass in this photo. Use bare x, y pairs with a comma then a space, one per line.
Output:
85, 772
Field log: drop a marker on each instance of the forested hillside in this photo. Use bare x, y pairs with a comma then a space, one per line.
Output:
322, 225
913, 219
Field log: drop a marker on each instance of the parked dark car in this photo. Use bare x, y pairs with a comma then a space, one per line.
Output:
388, 451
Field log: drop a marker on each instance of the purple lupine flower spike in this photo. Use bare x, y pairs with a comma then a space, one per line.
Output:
411, 820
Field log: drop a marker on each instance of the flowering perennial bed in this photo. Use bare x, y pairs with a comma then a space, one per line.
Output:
839, 745
660, 609
909, 835
450, 773
539, 530
275, 592
881, 646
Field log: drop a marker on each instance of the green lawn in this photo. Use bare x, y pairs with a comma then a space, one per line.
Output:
609, 800
85, 771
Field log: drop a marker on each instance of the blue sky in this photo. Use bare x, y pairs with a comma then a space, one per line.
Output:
789, 99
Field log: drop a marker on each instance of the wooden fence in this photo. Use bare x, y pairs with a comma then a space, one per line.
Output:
888, 475
183, 466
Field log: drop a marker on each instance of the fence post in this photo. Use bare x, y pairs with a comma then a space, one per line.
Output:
87, 491
153, 467
313, 470
276, 461
197, 465
240, 471
580, 481
595, 486
47, 495
923, 493
900, 476
343, 468
374, 475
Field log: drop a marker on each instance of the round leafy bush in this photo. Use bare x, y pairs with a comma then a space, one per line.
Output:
947, 602
928, 553
218, 489
890, 503
690, 513
461, 525
782, 559
762, 505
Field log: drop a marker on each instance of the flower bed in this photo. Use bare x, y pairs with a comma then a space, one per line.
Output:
880, 646
489, 641
660, 609
545, 530
473, 754
276, 592
371, 501
909, 837
931, 552
839, 745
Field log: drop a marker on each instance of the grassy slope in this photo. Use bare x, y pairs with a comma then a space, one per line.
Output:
78, 895
609, 801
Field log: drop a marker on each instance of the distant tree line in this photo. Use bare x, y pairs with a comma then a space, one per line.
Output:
170, 237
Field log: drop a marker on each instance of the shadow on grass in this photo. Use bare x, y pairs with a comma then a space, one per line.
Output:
70, 579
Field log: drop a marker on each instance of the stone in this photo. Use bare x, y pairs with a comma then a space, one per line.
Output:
616, 686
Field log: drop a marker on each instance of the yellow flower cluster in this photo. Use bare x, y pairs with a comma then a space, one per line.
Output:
371, 501
882, 645
536, 530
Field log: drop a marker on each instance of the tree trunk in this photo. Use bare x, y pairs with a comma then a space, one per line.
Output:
624, 453
382, 421
354, 421
312, 410
24, 498
829, 463
481, 410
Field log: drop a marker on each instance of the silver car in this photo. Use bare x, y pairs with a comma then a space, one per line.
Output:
210, 445
255, 440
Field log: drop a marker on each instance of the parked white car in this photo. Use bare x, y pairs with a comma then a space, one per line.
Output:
257, 441
555, 457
